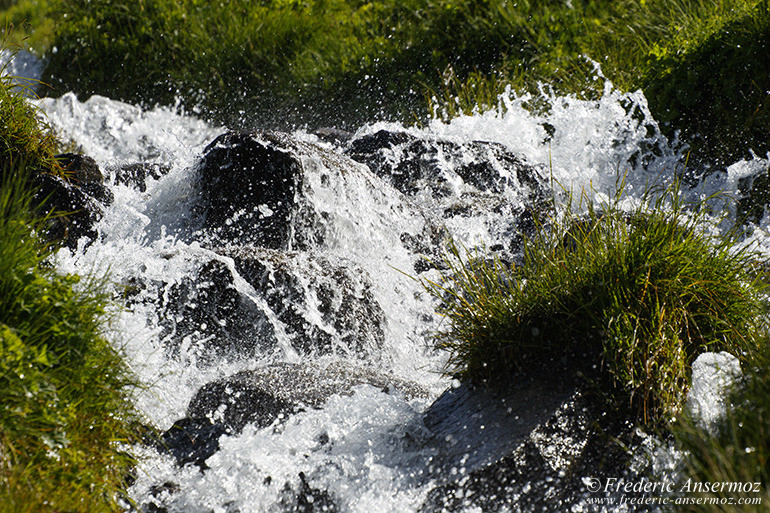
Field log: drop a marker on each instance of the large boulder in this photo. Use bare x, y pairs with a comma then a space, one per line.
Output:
276, 191
325, 304
480, 180
249, 184
248, 301
207, 310
411, 163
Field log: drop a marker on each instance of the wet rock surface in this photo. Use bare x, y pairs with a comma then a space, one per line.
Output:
529, 449
249, 182
320, 304
207, 309
262, 397
84, 172
411, 163
77, 201
326, 305
479, 179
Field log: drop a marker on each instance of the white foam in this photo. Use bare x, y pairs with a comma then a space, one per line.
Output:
712, 375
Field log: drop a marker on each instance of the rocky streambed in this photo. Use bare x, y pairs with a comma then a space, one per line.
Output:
267, 291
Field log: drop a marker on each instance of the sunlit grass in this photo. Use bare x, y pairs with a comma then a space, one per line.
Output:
627, 298
23, 138
63, 388
701, 63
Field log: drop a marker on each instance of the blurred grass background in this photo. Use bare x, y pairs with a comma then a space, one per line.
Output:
285, 63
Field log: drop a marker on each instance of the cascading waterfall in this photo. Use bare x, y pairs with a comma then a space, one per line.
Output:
361, 240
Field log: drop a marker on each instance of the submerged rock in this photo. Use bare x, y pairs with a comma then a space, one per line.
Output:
525, 449
262, 396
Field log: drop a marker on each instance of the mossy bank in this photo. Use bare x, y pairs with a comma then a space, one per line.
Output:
341, 62
64, 389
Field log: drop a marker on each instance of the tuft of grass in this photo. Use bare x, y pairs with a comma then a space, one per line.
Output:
23, 137
628, 298
64, 390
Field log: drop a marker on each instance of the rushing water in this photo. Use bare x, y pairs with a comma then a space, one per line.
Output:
375, 447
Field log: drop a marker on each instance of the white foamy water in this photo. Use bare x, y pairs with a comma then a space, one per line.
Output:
369, 450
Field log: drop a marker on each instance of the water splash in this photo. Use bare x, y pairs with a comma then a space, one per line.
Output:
368, 450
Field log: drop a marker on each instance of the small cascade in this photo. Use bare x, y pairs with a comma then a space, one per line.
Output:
267, 294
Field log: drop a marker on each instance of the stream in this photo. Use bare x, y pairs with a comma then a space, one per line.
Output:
330, 281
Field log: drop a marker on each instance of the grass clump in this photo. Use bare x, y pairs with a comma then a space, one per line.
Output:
629, 299
22, 137
63, 388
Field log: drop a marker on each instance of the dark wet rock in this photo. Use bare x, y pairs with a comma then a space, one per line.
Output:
277, 191
83, 172
370, 149
312, 500
209, 307
322, 304
480, 179
160, 494
136, 175
205, 312
411, 163
326, 305
528, 449
192, 440
262, 396
249, 182
304, 498
77, 201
